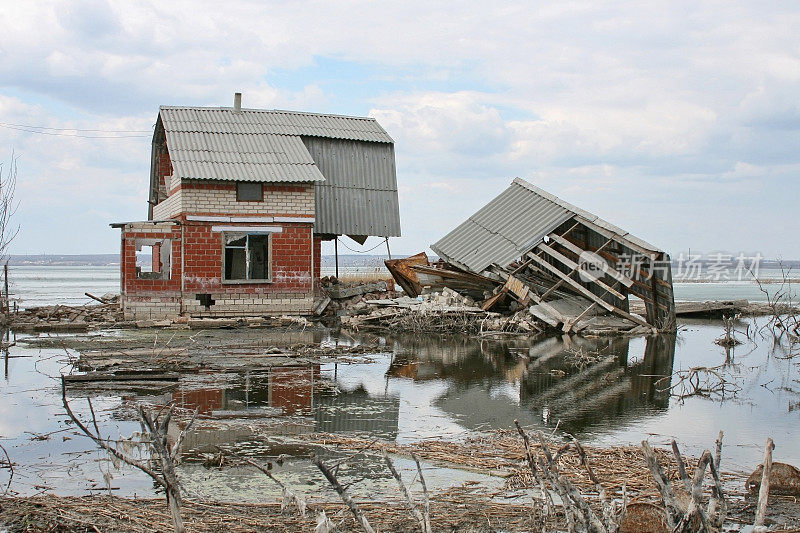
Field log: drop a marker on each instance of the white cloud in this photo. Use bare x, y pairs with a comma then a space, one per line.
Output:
615, 103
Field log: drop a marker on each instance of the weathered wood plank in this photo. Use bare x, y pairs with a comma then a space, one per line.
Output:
569, 263
625, 280
572, 283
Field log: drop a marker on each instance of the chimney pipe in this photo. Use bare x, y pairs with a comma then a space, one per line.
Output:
237, 102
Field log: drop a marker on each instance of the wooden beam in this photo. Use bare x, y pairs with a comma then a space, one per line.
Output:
557, 285
625, 280
589, 294
619, 238
524, 265
569, 263
571, 282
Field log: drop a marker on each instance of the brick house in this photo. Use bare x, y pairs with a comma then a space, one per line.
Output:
240, 201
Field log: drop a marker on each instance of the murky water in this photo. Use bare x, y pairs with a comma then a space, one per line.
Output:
413, 388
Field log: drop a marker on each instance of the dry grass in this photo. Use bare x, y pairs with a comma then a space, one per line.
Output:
455, 510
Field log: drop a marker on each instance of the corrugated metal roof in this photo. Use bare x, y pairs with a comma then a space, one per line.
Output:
254, 144
503, 230
511, 225
359, 194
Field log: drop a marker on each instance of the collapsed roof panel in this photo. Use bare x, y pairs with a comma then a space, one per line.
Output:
513, 223
502, 230
537, 244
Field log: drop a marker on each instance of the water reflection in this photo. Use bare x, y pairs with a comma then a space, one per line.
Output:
444, 385
488, 386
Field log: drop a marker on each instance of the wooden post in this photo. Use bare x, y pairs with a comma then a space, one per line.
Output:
336, 253
5, 297
388, 251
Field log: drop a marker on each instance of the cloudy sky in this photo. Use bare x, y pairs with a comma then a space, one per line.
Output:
676, 120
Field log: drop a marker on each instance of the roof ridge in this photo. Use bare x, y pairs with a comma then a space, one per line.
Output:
257, 110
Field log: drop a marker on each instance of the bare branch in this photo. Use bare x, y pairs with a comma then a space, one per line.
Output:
404, 491
331, 477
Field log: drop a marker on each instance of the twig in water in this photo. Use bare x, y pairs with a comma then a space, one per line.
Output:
10, 465
404, 491
331, 477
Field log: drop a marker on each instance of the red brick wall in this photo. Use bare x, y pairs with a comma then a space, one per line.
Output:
164, 168
317, 257
130, 283
291, 261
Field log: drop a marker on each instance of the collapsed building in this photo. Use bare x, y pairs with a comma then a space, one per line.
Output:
533, 250
240, 201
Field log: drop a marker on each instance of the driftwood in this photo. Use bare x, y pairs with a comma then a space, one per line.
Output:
763, 491
154, 430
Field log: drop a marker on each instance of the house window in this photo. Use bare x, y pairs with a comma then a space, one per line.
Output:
247, 258
247, 191
153, 258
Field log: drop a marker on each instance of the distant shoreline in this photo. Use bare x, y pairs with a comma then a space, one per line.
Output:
345, 260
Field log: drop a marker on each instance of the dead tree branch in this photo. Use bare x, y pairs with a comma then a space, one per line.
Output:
404, 491
342, 491
695, 517
578, 514
154, 430
706, 381
427, 509
537, 476
8, 206
10, 465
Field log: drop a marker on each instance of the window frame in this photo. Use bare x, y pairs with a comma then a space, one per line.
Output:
269, 279
240, 183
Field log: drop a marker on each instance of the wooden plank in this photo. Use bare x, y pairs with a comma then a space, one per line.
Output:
589, 294
569, 263
127, 376
571, 282
625, 280
619, 238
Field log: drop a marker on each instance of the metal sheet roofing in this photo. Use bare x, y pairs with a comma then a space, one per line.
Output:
359, 194
511, 225
255, 144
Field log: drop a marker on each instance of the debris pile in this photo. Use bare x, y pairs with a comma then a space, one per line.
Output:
67, 318
347, 298
441, 312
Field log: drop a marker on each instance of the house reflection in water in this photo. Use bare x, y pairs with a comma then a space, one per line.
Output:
277, 390
541, 383
286, 400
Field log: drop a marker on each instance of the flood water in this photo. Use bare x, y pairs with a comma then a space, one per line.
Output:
413, 388
49, 285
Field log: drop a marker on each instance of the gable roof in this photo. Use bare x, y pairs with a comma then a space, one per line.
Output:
254, 144
511, 225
